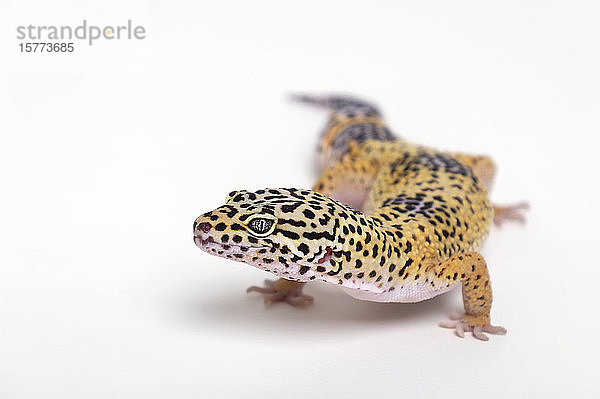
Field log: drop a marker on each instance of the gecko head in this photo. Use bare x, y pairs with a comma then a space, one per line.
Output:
292, 233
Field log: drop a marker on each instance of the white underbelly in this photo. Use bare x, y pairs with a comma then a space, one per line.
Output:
416, 292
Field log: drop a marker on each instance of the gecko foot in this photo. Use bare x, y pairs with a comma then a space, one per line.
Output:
283, 290
514, 213
478, 325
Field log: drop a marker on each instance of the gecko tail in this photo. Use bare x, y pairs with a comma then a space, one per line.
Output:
337, 103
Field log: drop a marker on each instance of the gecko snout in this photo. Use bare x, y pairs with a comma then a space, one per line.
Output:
201, 235
203, 227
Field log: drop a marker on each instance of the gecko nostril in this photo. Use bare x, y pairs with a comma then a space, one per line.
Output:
205, 227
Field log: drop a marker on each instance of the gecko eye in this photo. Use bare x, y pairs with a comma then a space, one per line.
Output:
260, 226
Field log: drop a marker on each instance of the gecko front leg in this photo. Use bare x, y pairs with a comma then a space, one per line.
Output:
471, 269
283, 290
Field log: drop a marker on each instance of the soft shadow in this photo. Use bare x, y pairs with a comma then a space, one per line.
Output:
332, 311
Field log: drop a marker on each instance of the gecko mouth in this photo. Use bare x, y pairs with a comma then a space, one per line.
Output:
208, 244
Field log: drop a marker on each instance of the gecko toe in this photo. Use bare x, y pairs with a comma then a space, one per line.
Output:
497, 330
448, 324
300, 300
478, 333
260, 290
468, 323
460, 330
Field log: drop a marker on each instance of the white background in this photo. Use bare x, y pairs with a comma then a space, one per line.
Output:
108, 154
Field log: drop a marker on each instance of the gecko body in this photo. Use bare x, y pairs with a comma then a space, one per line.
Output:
388, 221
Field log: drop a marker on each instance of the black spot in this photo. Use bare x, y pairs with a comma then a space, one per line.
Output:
347, 275
304, 269
220, 226
308, 213
401, 272
232, 212
334, 272
304, 248
295, 223
318, 235
290, 208
288, 234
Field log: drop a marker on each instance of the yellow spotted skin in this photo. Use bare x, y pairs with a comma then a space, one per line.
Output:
388, 221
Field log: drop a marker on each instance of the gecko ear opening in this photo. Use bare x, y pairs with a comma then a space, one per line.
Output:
325, 257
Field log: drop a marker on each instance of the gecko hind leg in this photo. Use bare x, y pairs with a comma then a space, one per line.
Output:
484, 169
470, 268
512, 213
349, 181
283, 290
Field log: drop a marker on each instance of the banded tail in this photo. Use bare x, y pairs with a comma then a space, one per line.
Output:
346, 105
351, 123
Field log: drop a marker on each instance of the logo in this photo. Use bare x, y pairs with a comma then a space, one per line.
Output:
87, 32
